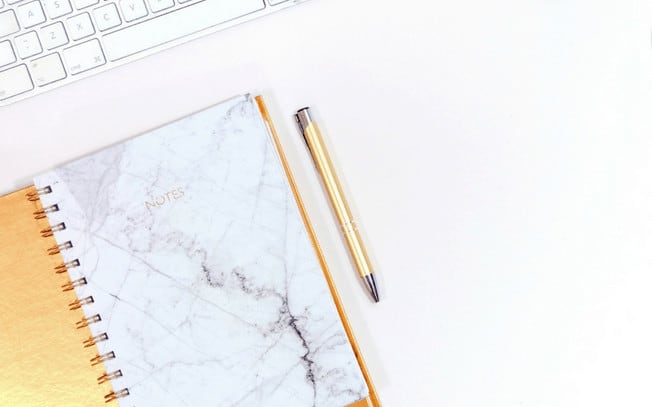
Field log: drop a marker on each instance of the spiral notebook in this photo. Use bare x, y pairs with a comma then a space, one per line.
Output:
189, 272
42, 360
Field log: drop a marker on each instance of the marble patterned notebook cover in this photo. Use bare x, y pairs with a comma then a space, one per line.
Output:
201, 269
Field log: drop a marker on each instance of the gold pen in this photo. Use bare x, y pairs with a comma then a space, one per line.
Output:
334, 191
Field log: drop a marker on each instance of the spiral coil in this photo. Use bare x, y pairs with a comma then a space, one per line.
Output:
64, 267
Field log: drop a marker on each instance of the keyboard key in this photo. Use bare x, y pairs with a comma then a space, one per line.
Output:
8, 23
107, 17
30, 14
57, 8
14, 81
47, 69
80, 4
83, 57
54, 35
28, 45
7, 55
80, 26
175, 24
159, 5
133, 9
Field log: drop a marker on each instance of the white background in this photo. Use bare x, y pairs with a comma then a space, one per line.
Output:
498, 154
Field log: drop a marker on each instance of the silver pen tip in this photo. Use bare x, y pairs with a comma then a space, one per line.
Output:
371, 287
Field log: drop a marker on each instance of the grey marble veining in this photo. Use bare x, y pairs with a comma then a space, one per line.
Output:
201, 268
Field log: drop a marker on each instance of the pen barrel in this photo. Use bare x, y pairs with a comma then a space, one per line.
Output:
338, 202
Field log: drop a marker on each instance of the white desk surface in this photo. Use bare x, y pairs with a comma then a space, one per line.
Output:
498, 154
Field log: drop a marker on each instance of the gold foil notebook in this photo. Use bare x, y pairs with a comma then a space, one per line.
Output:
42, 359
176, 268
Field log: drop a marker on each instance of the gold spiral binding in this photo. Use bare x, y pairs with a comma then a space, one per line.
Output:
49, 232
94, 340
59, 248
86, 321
69, 286
102, 358
43, 213
77, 304
109, 376
36, 195
63, 267
80, 302
114, 395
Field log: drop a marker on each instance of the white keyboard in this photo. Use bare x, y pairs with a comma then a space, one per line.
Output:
48, 43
